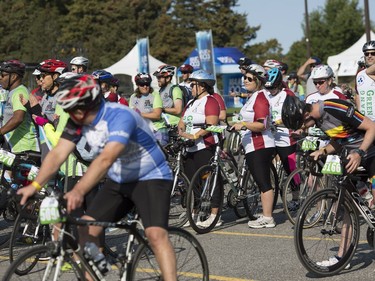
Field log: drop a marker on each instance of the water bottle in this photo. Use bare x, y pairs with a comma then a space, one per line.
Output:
93, 253
232, 175
364, 191
14, 186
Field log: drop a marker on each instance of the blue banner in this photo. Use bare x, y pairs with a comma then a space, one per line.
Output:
205, 51
143, 55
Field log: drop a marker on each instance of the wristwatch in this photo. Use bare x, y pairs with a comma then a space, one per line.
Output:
360, 152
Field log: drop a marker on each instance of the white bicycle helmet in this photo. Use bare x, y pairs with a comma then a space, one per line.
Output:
80, 61
272, 64
257, 70
322, 72
204, 77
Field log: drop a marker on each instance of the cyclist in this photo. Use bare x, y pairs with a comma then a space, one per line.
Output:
203, 109
105, 79
38, 92
148, 103
186, 70
346, 127
295, 85
311, 62
364, 99
127, 152
114, 96
258, 141
243, 63
171, 96
17, 128
284, 144
79, 65
323, 79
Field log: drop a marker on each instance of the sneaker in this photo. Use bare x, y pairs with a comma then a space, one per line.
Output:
331, 261
209, 221
293, 205
262, 222
187, 224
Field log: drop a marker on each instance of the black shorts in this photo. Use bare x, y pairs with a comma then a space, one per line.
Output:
151, 198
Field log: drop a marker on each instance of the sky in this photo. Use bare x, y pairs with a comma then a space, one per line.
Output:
282, 19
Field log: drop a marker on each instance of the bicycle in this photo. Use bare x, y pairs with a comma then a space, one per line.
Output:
332, 215
177, 212
135, 262
243, 196
16, 171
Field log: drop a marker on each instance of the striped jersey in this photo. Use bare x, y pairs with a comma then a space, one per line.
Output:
257, 108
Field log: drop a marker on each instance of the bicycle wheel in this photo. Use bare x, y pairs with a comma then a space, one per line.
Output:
299, 186
27, 233
318, 244
190, 257
199, 199
177, 210
42, 270
252, 198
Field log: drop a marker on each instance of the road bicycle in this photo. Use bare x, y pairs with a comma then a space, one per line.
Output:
332, 216
63, 259
243, 196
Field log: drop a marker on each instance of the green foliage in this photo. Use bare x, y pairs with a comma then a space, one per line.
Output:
332, 30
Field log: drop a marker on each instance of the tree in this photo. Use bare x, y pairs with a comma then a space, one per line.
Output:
333, 29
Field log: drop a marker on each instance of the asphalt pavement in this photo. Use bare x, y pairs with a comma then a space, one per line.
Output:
237, 253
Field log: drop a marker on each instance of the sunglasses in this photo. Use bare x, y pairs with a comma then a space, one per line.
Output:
74, 68
369, 53
320, 82
37, 77
250, 79
4, 74
43, 75
143, 85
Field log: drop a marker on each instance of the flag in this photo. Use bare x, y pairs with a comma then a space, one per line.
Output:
143, 55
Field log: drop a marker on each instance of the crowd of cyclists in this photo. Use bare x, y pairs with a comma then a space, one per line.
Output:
81, 125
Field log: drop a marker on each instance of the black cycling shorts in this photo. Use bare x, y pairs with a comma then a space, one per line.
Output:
151, 198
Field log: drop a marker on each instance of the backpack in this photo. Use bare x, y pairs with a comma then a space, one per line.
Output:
186, 93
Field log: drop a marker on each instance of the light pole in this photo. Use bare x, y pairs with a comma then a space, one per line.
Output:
307, 31
367, 21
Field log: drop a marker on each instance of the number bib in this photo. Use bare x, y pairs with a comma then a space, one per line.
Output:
49, 211
34, 170
332, 166
7, 158
310, 143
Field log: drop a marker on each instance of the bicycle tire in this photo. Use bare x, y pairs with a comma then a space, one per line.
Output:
297, 183
39, 268
19, 242
252, 193
198, 203
309, 249
191, 259
177, 210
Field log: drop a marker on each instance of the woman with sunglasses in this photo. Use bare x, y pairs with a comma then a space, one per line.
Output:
202, 109
323, 79
149, 104
258, 141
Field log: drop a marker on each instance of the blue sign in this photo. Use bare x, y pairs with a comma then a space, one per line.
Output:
143, 55
205, 51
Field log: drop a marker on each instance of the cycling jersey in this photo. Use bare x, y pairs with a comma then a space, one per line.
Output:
146, 104
335, 93
257, 107
168, 101
142, 158
195, 113
220, 100
24, 137
365, 87
48, 104
282, 134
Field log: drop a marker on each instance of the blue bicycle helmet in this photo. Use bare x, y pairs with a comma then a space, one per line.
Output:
274, 78
102, 76
203, 77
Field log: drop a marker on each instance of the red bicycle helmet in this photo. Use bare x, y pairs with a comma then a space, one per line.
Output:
186, 68
142, 78
53, 66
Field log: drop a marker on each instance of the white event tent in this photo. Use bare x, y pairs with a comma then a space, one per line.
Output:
129, 65
345, 63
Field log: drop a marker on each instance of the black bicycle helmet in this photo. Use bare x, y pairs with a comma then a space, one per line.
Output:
13, 66
293, 112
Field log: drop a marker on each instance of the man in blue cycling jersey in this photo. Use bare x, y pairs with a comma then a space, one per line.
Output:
127, 153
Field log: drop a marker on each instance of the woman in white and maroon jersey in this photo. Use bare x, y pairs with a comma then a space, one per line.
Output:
202, 109
257, 139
